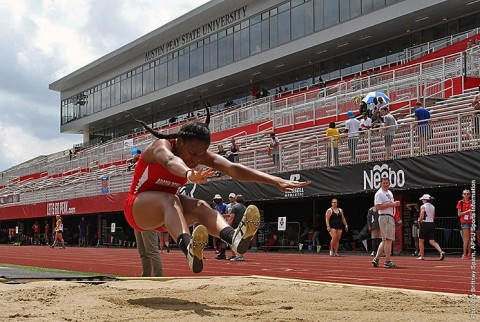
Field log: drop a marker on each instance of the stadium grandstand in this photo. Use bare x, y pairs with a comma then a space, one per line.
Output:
288, 67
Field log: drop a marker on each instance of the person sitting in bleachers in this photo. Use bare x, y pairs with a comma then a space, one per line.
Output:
133, 160
265, 92
221, 151
377, 119
363, 108
229, 103
232, 155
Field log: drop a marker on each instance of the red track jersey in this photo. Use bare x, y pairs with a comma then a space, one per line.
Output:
154, 177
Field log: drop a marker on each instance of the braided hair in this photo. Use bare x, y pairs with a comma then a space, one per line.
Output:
192, 130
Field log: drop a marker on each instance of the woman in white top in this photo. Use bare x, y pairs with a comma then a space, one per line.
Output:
427, 227
58, 232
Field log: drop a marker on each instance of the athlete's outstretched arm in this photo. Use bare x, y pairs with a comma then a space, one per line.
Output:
243, 173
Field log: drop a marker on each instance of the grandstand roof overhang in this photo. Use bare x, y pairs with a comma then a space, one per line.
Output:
379, 25
196, 17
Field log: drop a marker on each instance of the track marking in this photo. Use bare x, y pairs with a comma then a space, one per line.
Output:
354, 285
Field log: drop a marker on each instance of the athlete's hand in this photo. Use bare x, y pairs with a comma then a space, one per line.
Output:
289, 185
200, 176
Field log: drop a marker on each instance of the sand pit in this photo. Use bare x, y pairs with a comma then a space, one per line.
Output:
224, 299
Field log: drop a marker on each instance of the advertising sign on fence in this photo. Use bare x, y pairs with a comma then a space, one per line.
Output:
105, 184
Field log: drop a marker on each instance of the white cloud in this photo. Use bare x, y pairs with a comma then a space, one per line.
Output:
43, 41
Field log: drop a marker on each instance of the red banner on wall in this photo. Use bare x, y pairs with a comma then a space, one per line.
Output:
78, 206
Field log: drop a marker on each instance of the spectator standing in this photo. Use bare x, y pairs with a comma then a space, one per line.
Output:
374, 229
380, 103
464, 212
427, 227
218, 244
58, 233
147, 246
82, 227
390, 123
476, 115
304, 234
336, 223
236, 214
36, 233
415, 228
316, 234
385, 205
372, 106
232, 198
365, 122
274, 150
163, 239
231, 201
365, 125
422, 116
351, 127
356, 82
46, 232
332, 135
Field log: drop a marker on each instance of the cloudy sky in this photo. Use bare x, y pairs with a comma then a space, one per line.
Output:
44, 40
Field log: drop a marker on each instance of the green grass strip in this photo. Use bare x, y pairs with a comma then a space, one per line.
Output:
53, 270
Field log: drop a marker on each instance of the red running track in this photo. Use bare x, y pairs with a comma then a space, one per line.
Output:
453, 275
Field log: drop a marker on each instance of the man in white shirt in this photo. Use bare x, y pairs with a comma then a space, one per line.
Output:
351, 127
385, 205
274, 150
381, 102
366, 122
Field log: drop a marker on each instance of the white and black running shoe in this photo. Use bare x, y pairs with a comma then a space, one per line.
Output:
246, 230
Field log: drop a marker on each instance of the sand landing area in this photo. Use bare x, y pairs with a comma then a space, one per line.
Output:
224, 299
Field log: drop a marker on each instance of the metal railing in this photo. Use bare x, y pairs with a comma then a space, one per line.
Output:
448, 134
415, 52
269, 237
403, 84
448, 232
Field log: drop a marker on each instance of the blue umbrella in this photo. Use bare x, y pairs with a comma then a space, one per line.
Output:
134, 150
370, 96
